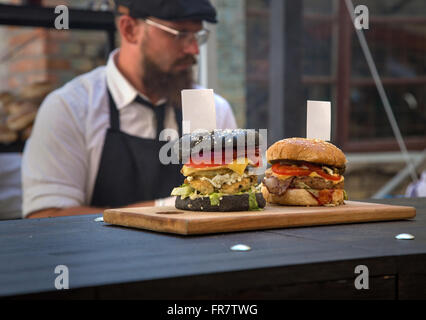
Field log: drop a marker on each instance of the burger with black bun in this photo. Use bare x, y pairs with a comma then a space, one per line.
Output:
220, 171
304, 172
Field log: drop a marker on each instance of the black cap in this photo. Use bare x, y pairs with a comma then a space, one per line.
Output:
173, 10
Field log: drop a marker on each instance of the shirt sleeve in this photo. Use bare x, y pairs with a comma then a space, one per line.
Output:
54, 164
225, 118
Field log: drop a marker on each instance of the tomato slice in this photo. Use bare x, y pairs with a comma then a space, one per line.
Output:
290, 170
255, 157
202, 165
312, 167
287, 170
252, 155
328, 176
321, 172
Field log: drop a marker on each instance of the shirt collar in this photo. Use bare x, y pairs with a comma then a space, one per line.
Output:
121, 90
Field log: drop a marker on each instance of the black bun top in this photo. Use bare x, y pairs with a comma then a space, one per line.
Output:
217, 140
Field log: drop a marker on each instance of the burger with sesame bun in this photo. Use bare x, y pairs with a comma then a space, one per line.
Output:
304, 172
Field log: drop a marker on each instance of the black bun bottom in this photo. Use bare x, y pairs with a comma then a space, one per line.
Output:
239, 202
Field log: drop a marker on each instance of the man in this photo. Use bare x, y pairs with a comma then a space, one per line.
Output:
95, 140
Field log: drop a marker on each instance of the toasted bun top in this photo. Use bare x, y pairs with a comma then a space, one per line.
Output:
310, 150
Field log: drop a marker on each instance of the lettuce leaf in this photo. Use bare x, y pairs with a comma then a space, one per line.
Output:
253, 205
183, 191
215, 198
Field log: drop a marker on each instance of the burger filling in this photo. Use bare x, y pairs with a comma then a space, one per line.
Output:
217, 180
319, 180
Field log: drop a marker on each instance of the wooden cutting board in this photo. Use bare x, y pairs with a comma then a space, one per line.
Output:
172, 220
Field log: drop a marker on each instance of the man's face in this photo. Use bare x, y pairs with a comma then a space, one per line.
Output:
167, 61
170, 54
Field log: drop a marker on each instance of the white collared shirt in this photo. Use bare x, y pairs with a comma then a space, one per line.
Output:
61, 158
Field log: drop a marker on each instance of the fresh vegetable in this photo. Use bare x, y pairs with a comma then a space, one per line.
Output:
253, 205
287, 170
215, 198
184, 191
223, 159
304, 170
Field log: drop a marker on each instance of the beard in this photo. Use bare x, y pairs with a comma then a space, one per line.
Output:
167, 84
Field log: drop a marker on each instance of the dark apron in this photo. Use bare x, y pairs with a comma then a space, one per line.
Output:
130, 170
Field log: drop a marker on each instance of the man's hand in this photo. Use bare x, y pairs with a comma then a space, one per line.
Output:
59, 212
75, 211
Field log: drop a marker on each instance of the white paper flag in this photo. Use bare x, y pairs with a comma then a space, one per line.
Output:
198, 110
318, 122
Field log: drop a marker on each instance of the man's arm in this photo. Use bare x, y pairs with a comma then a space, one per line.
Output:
55, 161
57, 212
75, 211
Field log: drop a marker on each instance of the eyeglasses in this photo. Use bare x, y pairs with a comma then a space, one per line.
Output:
184, 37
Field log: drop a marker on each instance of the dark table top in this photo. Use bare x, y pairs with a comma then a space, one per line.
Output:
106, 261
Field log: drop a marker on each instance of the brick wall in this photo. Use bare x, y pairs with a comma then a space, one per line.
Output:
28, 64
47, 54
37, 55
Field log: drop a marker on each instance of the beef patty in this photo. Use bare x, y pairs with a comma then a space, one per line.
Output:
279, 186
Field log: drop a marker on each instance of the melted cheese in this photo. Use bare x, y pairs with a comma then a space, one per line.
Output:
280, 176
238, 167
234, 166
312, 174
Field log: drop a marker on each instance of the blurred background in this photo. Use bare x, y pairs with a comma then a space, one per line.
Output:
267, 58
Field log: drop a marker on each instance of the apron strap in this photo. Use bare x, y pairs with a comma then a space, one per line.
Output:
114, 116
159, 112
178, 116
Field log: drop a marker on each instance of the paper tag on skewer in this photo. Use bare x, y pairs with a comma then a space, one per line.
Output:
318, 120
198, 110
